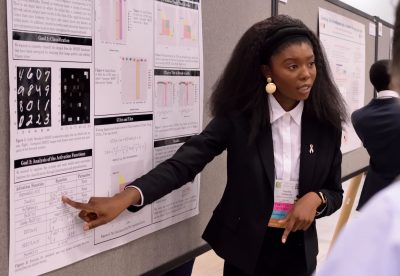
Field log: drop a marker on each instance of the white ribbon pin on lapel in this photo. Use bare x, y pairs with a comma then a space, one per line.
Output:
311, 148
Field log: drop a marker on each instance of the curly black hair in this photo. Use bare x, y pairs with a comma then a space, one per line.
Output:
240, 88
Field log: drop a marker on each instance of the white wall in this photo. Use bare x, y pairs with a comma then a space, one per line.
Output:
384, 9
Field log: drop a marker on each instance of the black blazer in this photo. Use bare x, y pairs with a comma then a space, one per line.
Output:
378, 126
237, 227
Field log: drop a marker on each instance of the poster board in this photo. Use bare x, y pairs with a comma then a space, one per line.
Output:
164, 248
385, 40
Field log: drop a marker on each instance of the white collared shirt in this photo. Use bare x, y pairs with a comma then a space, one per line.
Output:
384, 94
286, 137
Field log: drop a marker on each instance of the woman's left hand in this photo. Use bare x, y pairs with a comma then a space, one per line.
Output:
302, 214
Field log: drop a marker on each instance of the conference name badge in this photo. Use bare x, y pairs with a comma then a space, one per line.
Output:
285, 195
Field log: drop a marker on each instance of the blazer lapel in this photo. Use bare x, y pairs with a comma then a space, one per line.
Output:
265, 148
308, 151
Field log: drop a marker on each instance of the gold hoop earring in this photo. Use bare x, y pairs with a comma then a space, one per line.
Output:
270, 87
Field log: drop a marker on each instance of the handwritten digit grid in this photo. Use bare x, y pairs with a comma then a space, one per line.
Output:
33, 97
75, 96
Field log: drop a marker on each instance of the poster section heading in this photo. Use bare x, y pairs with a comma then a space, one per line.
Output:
122, 119
51, 158
181, 4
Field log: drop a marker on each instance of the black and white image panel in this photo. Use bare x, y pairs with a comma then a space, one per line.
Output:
33, 97
75, 96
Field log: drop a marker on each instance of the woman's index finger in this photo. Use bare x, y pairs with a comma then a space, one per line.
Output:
75, 204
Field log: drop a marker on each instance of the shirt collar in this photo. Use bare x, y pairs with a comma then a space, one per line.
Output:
387, 94
276, 110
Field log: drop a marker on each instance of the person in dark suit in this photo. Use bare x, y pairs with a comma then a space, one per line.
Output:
369, 245
278, 114
378, 126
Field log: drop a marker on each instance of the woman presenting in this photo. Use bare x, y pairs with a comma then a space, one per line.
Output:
278, 114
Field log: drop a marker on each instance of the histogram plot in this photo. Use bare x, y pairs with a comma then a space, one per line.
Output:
133, 79
165, 93
188, 29
113, 21
187, 93
122, 174
75, 96
165, 26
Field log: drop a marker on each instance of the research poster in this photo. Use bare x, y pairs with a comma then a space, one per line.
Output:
100, 93
344, 43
